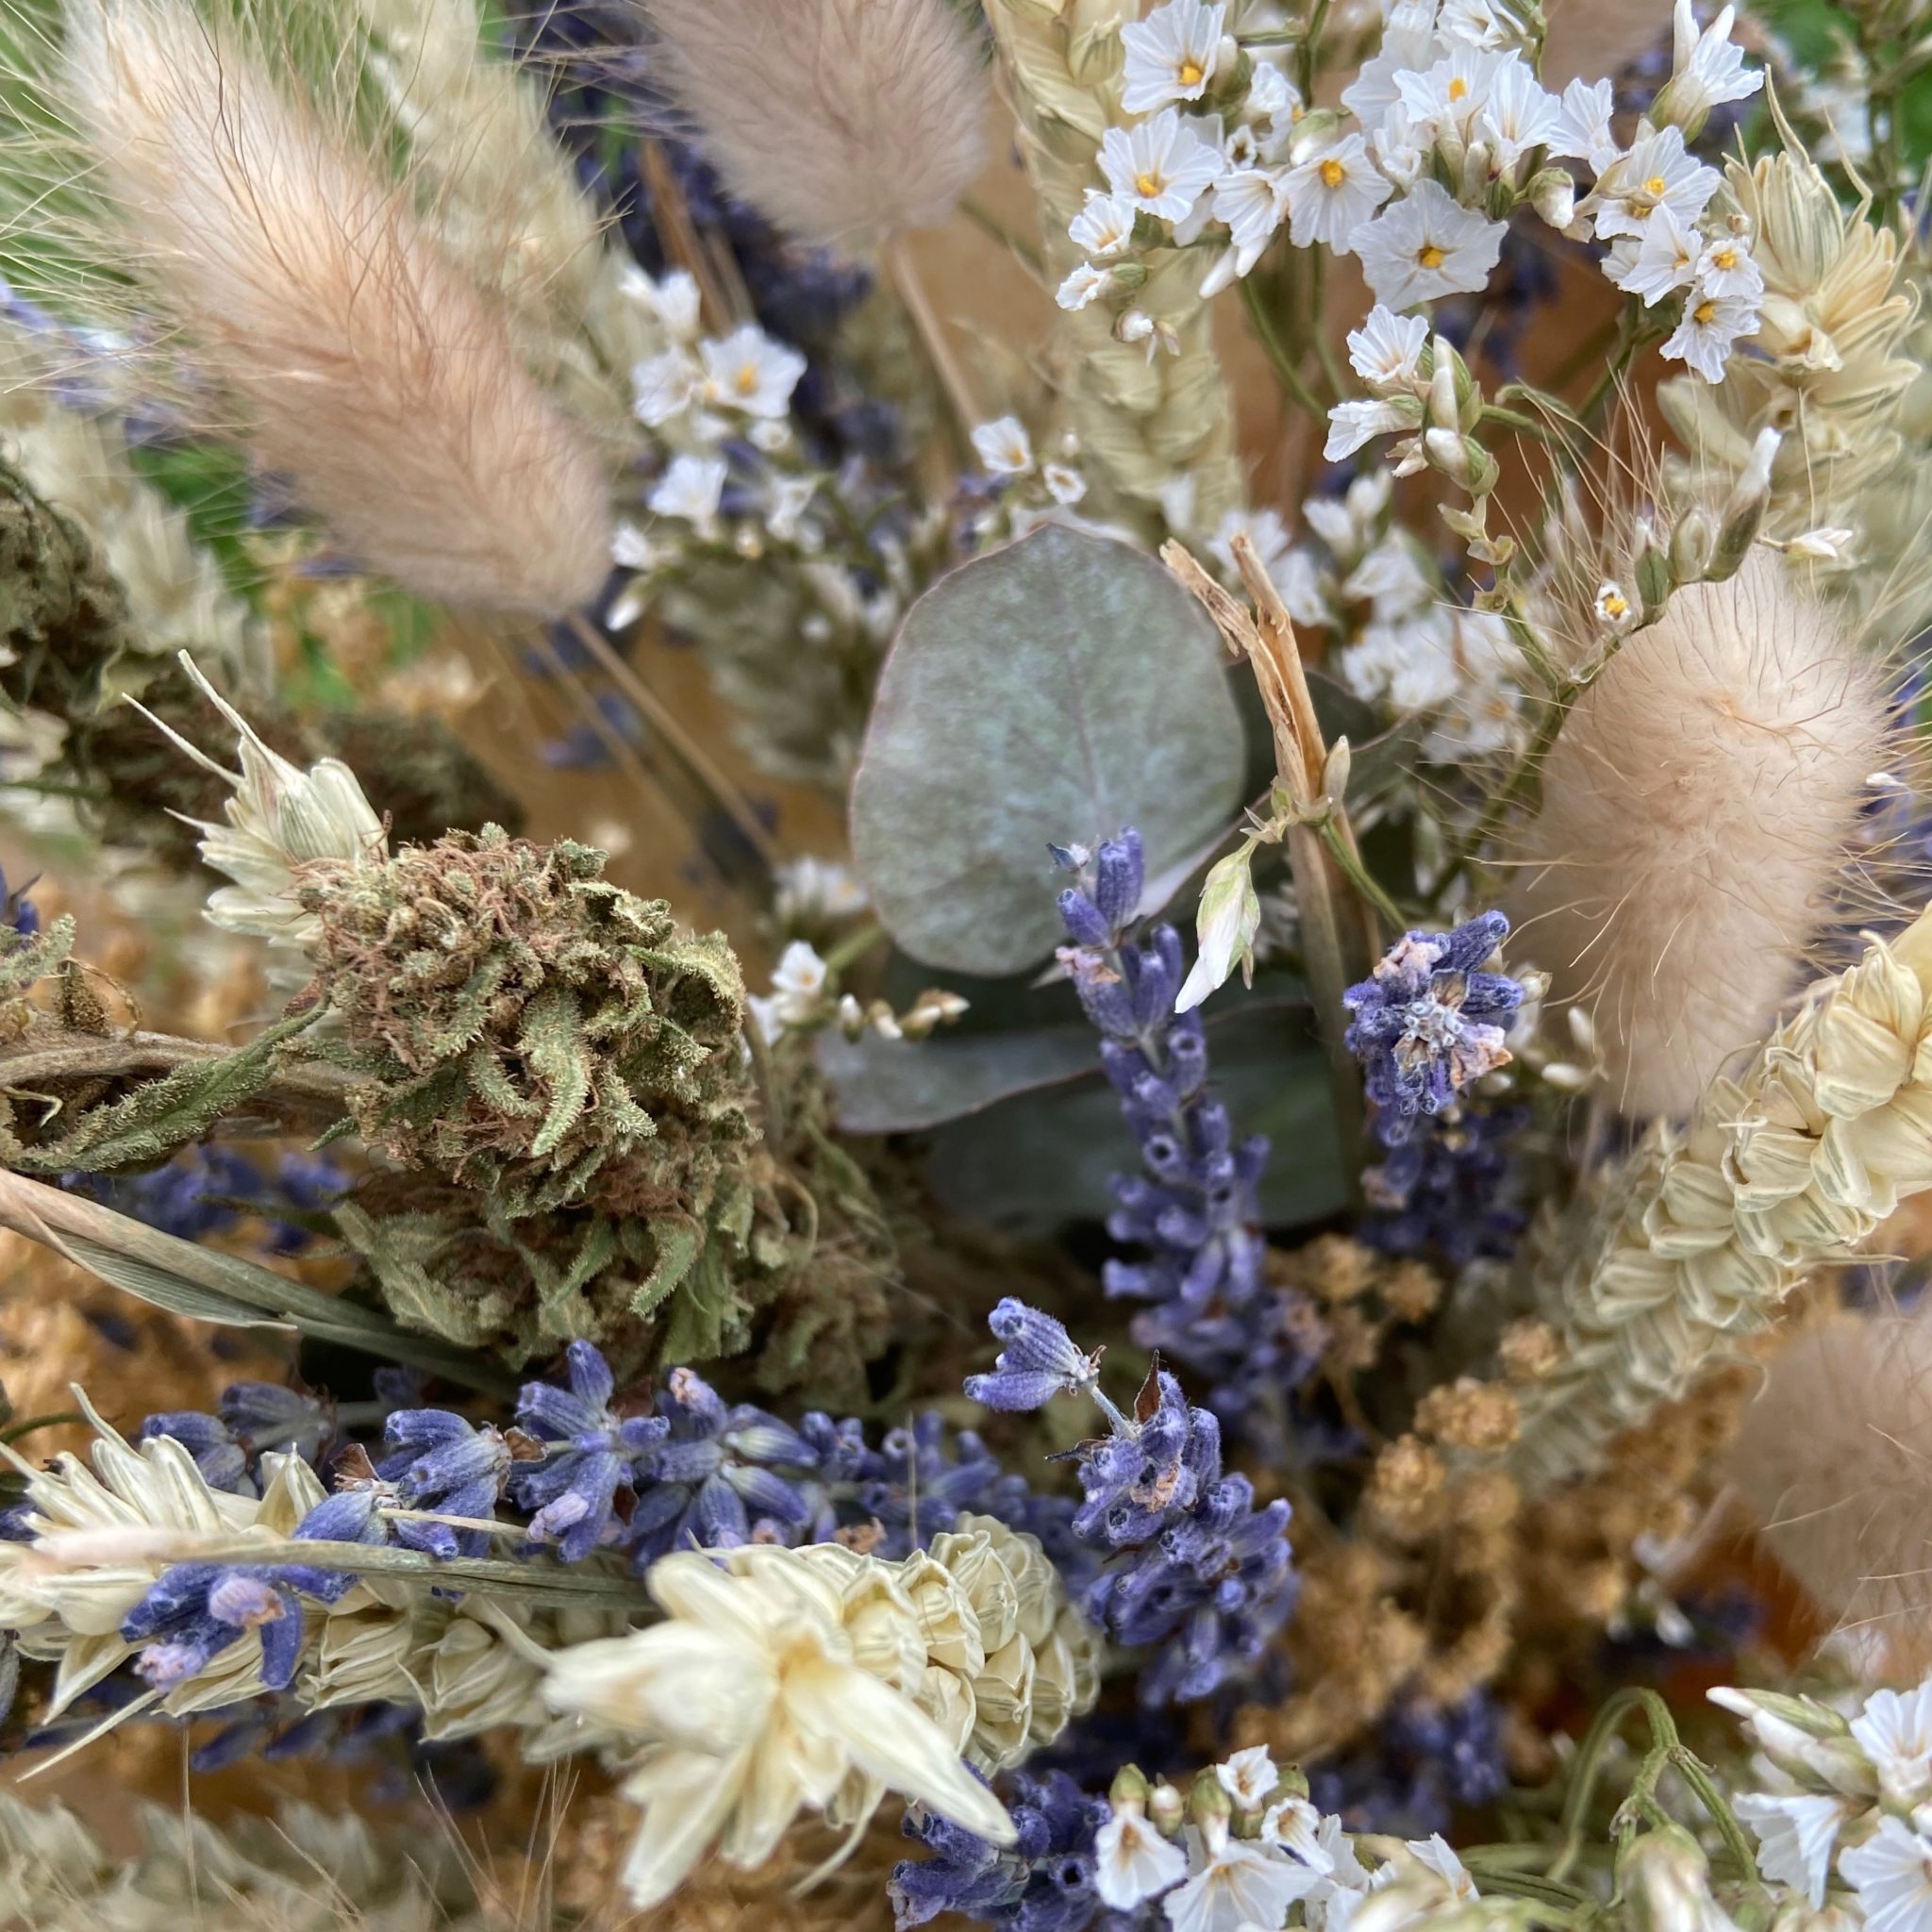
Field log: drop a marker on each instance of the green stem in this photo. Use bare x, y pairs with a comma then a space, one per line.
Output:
14, 1431
853, 947
1586, 1768
1523, 425
1286, 374
1358, 875
1325, 349
1695, 1773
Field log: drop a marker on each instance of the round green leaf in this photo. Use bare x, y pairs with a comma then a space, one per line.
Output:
1051, 690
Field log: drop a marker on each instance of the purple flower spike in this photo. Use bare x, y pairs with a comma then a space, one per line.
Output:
1039, 1361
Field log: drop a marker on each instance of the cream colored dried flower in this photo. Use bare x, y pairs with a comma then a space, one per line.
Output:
838, 120
1699, 1237
280, 819
778, 1684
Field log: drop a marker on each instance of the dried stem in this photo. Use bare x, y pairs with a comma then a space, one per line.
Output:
962, 411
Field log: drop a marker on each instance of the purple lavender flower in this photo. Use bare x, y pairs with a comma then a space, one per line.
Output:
445, 1464
1452, 1192
593, 1453
223, 1461
267, 1415
1042, 1883
712, 1481
1189, 1565
1039, 1361
1425, 1025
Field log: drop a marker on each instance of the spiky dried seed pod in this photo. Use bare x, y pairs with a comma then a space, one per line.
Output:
838, 120
1697, 809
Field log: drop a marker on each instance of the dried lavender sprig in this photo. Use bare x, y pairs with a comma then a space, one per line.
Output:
1189, 1564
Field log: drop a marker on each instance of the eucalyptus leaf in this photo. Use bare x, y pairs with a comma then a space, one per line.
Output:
904, 1086
1051, 690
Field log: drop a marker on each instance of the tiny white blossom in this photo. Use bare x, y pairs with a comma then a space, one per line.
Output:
1518, 114
813, 888
1236, 1884
1248, 1777
1082, 285
1411, 662
791, 497
1795, 1837
1665, 261
1346, 524
1161, 165
1434, 1852
1225, 924
1725, 268
1252, 204
1583, 124
1409, 45
1296, 1825
749, 372
1274, 103
1386, 351
1332, 193
1064, 484
1896, 1732
673, 300
1479, 24
1132, 1862
797, 996
1425, 246
1829, 543
1444, 101
1613, 608
663, 387
1357, 421
1003, 446
630, 549
691, 488
1891, 1872
1105, 226
1657, 173
1342, 1885
1171, 54
1711, 323
1707, 69
1392, 579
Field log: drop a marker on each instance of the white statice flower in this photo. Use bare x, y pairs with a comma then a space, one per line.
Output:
1332, 191
280, 820
1341, 1884
663, 388
797, 997
1083, 285
1393, 579
1707, 69
1422, 1880
1425, 246
1481, 23
1518, 114
1132, 1862
1105, 226
748, 371
1064, 483
1444, 100
691, 488
1357, 421
1161, 165
1252, 204
1348, 522
1657, 173
1399, 152
630, 549
1170, 56
1003, 446
1295, 1825
1408, 45
1235, 1883
1248, 1777
1273, 105
1807, 1741
786, 500
810, 889
1725, 268
1663, 261
1387, 350
1795, 1835
1409, 663
750, 1703
1891, 1873
1711, 323
1583, 123
673, 301
1894, 1730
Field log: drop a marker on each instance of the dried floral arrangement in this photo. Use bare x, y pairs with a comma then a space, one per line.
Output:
967, 963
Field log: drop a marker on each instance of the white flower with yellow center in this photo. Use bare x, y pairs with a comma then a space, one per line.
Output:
1332, 191
1665, 259
1170, 56
750, 1705
1003, 446
1657, 173
1444, 100
1425, 246
1161, 165
1711, 323
1725, 268
1104, 226
748, 371
690, 489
